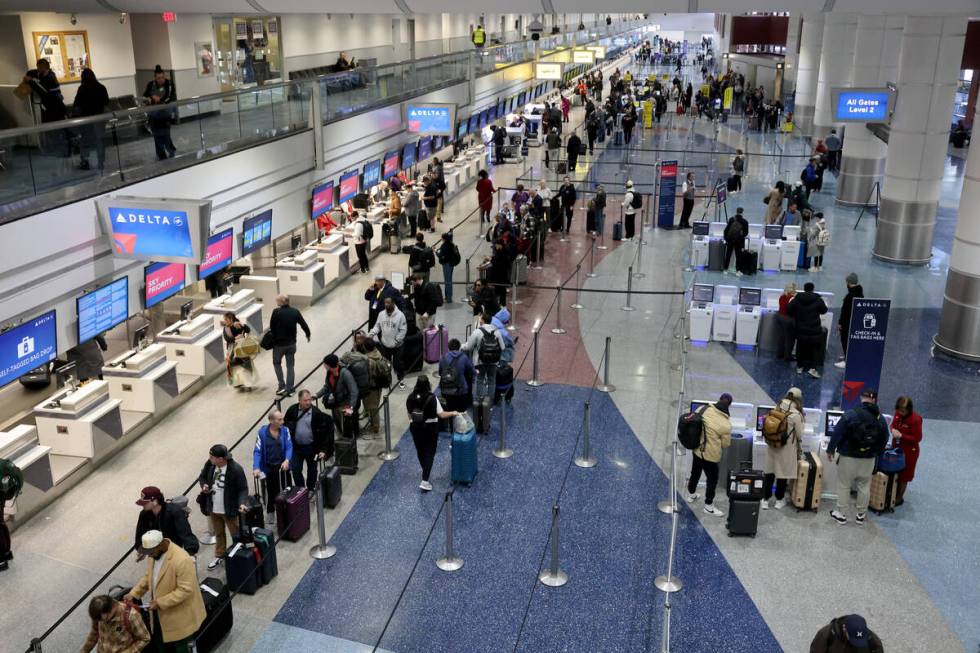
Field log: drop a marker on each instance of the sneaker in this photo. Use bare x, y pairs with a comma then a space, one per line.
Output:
425, 486
725, 272
813, 372
840, 364
738, 273
711, 510
780, 504
799, 370
401, 385
214, 563
838, 517
691, 498
281, 392
859, 518
766, 504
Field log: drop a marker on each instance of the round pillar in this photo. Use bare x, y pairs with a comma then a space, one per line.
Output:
932, 49
836, 59
792, 59
807, 71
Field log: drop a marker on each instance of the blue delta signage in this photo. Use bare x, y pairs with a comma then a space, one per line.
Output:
150, 233
430, 119
862, 105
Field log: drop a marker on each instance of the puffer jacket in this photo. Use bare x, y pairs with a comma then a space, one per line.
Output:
717, 435
806, 308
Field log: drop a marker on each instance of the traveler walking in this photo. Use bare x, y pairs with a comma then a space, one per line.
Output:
906, 432
553, 145
271, 455
283, 325
424, 413
783, 432
379, 379
628, 123
116, 627
361, 241
456, 376
484, 195
806, 309
809, 177
687, 192
854, 289
389, 331
774, 203
166, 517
91, 99
738, 169
312, 433
411, 207
240, 369
222, 481
818, 241
847, 634
568, 196
11, 483
483, 300
860, 435
43, 84
572, 148
421, 259
449, 257
479, 37
600, 209
716, 437
833, 144
160, 91
427, 299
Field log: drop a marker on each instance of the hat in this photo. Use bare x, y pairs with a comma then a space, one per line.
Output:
796, 393
151, 540
219, 451
379, 277
725, 399
856, 629
148, 494
852, 279
629, 183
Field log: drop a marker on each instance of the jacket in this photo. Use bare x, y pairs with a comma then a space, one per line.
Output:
377, 300
411, 205
321, 424
553, 141
774, 207
262, 442
447, 253
425, 298
283, 325
124, 632
717, 435
830, 639
782, 461
167, 94
90, 100
744, 224
172, 522
421, 258
236, 485
484, 193
573, 145
849, 427
847, 306
568, 195
465, 366
806, 309
180, 606
390, 329
344, 389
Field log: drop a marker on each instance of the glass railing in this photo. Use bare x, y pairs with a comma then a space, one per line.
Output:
46, 166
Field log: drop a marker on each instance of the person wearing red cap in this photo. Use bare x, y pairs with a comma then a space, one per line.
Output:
166, 517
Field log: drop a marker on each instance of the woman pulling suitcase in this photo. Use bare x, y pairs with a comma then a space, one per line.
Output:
424, 413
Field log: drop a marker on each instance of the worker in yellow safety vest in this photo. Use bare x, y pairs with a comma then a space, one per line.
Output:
479, 36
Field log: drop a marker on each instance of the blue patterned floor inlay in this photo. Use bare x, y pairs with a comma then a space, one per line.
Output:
614, 543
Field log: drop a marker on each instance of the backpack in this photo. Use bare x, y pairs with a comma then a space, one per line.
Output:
455, 258
435, 293
380, 372
637, 202
11, 480
774, 428
368, 229
451, 381
734, 231
690, 429
417, 415
360, 368
428, 258
489, 348
823, 237
864, 439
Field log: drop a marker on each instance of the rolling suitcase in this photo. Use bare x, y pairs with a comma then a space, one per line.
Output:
736, 457
219, 617
732, 184
464, 457
617, 231
436, 343
331, 486
423, 223
743, 517
412, 353
716, 255
345, 448
265, 541
618, 138
255, 507
883, 488
481, 413
747, 262
520, 269
562, 167
242, 563
809, 482
746, 484
590, 221
292, 511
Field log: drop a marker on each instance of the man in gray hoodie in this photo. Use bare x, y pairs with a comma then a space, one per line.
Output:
389, 331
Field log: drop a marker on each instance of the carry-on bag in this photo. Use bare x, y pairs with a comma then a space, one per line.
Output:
736, 457
883, 490
746, 484
255, 506
463, 451
562, 167
345, 447
809, 482
617, 231
747, 261
292, 510
219, 617
265, 541
412, 352
716, 255
481, 412
242, 563
331, 486
743, 517
435, 343
732, 184
520, 269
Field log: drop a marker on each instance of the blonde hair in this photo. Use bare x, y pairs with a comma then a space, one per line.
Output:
790, 288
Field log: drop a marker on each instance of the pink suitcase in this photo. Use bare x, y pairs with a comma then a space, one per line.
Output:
431, 346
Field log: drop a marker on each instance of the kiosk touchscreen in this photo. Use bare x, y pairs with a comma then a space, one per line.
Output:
701, 312
716, 229
760, 416
830, 419
699, 245
139, 337
827, 319
749, 314
698, 404
725, 309
771, 246
789, 254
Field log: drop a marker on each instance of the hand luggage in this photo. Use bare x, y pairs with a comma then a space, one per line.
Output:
331, 486
292, 510
219, 615
590, 221
394, 241
242, 563
464, 457
436, 343
809, 482
746, 483
747, 262
556, 218
423, 222
520, 269
883, 489
617, 231
716, 255
601, 136
618, 138
265, 541
345, 447
255, 507
562, 167
412, 353
582, 148
743, 517
735, 458
732, 184
481, 412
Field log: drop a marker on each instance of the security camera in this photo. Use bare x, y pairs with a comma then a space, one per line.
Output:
73, 19
122, 18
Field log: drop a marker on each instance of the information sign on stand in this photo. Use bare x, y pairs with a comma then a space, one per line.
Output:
721, 192
865, 349
668, 194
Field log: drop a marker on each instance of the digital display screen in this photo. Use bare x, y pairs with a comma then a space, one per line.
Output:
425, 148
350, 185
703, 292
474, 123
462, 130
163, 280
322, 199
26, 346
773, 232
830, 419
547, 70
862, 105
492, 113
372, 173
760, 416
750, 296
145, 233
696, 405
103, 308
483, 119
430, 119
522, 98
408, 156
256, 232
699, 228
390, 165
218, 254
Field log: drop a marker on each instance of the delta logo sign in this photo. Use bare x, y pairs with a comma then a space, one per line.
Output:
150, 233
424, 120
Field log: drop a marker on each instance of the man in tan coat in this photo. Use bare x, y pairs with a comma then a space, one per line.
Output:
717, 436
175, 602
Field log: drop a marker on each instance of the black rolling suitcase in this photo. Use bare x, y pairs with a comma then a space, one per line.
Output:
242, 563
747, 262
746, 484
331, 486
412, 352
255, 507
617, 231
743, 517
220, 617
345, 448
732, 184
481, 414
555, 216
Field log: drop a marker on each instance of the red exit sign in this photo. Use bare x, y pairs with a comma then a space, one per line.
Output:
169, 17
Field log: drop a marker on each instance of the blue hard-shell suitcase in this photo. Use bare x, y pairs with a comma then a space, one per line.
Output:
618, 231
464, 457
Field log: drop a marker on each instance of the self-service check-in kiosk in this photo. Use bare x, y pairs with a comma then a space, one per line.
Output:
771, 246
699, 245
789, 254
755, 239
701, 311
749, 316
769, 334
195, 345
242, 304
716, 230
827, 319
725, 310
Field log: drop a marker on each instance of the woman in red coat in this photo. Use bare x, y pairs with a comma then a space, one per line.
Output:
907, 433
484, 194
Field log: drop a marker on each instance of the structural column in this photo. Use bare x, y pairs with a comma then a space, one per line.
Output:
932, 49
792, 58
807, 70
836, 59
878, 43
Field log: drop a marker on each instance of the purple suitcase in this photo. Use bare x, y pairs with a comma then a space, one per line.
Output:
292, 511
434, 351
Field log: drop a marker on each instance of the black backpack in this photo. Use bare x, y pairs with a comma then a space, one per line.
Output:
489, 348
11, 480
864, 439
637, 202
368, 229
417, 415
451, 381
455, 258
690, 429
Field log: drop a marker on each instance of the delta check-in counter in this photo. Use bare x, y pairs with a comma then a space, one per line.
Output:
143, 381
195, 346
243, 304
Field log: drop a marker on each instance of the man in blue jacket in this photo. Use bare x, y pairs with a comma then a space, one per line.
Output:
271, 456
456, 374
860, 435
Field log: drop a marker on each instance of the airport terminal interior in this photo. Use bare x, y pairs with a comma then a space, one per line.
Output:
716, 264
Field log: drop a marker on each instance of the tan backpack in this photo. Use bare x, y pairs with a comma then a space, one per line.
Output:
774, 428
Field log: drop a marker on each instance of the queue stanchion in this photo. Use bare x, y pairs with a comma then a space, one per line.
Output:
553, 576
591, 273
629, 291
537, 251
450, 561
502, 451
669, 505
602, 234
535, 381
578, 288
639, 260
670, 583
468, 282
558, 330
321, 550
388, 454
606, 386
513, 288
586, 459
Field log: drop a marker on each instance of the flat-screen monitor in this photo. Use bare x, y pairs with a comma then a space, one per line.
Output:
390, 168
698, 404
67, 374
408, 156
830, 419
156, 229
372, 173
773, 232
322, 199
186, 309
218, 254
256, 232
699, 228
163, 280
483, 118
425, 148
350, 185
103, 308
760, 416
474, 123
462, 129
430, 119
28, 345
492, 113
139, 336
703, 292
862, 104
750, 296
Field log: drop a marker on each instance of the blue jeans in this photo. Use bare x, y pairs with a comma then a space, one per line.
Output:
447, 276
600, 220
